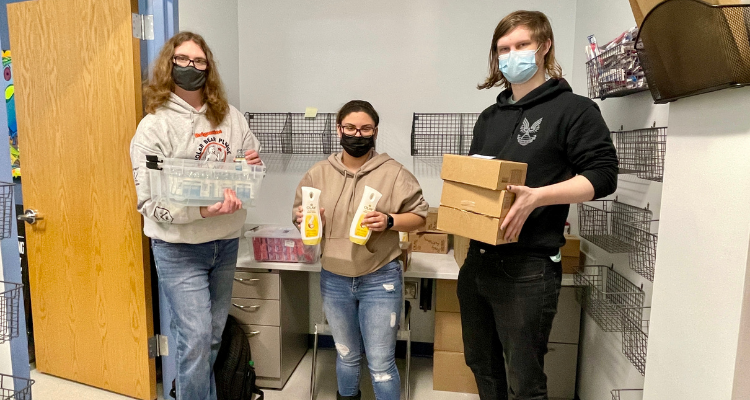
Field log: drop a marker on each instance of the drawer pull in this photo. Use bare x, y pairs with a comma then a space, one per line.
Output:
246, 308
253, 333
247, 280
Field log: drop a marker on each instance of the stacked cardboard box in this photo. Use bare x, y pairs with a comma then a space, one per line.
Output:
429, 239
450, 372
571, 254
474, 201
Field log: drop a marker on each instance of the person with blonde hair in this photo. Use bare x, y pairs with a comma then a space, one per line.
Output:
508, 293
195, 248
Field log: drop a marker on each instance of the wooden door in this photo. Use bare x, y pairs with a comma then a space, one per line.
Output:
78, 102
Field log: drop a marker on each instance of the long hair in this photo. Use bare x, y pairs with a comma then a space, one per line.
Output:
161, 84
541, 31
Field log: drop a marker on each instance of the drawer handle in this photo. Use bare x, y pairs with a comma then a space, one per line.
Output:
247, 280
253, 333
246, 308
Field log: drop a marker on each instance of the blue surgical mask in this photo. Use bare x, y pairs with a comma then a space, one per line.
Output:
518, 66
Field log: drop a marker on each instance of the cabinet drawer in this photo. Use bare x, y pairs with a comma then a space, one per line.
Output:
567, 322
256, 285
255, 311
560, 365
265, 346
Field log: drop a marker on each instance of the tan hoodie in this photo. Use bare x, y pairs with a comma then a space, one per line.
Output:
341, 192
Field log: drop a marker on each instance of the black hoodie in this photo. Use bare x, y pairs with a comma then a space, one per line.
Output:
559, 135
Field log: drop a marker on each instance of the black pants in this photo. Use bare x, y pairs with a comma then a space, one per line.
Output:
508, 303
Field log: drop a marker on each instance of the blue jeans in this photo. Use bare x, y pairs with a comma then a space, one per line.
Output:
508, 302
364, 312
197, 281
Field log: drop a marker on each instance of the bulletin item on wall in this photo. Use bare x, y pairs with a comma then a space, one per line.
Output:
10, 105
689, 47
614, 69
641, 151
433, 135
295, 133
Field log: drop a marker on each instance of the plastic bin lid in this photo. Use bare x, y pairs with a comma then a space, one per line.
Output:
272, 231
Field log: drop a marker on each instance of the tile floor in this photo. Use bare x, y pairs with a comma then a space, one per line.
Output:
298, 387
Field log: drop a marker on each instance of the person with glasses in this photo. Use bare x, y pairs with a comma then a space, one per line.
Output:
195, 248
361, 284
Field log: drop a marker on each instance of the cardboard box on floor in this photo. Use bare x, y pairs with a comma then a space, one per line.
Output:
572, 257
471, 225
446, 296
448, 332
431, 222
429, 242
451, 374
486, 173
461, 196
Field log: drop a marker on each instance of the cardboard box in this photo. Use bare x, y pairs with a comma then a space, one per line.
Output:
405, 256
448, 333
570, 264
489, 174
641, 8
460, 249
427, 242
479, 227
447, 298
431, 223
451, 374
572, 247
495, 203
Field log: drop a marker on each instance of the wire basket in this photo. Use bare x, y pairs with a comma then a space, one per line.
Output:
293, 133
680, 40
601, 223
615, 72
15, 388
9, 310
6, 209
643, 246
607, 295
642, 152
627, 394
635, 341
433, 135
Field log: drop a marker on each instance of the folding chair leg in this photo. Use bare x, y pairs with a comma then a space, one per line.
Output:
314, 364
408, 365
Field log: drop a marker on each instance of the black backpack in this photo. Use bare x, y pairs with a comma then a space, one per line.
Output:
233, 370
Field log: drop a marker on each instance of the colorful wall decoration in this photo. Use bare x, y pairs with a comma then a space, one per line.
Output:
10, 105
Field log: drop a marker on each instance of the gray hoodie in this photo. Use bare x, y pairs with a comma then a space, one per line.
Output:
177, 130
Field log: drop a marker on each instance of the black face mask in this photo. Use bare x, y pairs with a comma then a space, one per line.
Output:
188, 77
357, 146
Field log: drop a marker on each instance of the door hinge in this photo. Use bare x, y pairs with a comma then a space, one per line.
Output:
158, 346
143, 26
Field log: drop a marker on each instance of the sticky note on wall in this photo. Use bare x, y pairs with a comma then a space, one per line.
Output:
311, 112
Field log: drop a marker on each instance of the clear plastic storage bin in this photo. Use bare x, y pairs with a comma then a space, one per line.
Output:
202, 183
272, 243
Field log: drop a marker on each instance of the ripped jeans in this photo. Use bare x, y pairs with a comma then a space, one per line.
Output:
363, 314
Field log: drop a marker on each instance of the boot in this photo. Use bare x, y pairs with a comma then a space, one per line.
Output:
357, 397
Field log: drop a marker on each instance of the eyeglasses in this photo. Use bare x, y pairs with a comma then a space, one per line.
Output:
365, 131
183, 61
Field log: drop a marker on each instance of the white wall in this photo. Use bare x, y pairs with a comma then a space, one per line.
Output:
703, 251
602, 366
217, 22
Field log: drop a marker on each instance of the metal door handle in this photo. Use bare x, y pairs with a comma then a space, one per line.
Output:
30, 216
253, 333
246, 308
244, 280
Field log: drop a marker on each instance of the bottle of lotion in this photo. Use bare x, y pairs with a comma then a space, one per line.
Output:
359, 233
311, 230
